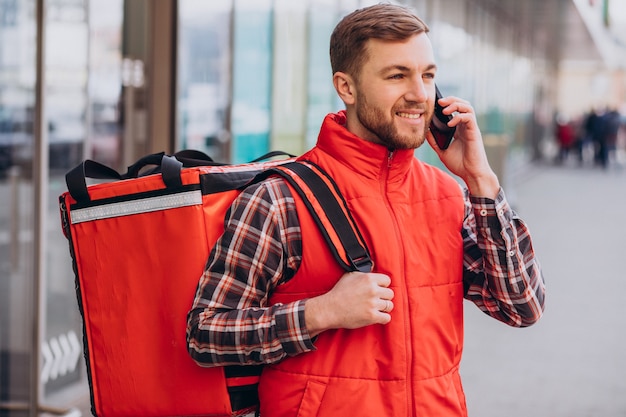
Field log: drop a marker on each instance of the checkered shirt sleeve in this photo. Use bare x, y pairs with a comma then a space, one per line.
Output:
502, 276
231, 321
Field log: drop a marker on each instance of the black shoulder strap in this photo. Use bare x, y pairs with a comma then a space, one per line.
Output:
329, 209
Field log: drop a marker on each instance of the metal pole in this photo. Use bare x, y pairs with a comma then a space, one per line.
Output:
14, 184
88, 143
40, 183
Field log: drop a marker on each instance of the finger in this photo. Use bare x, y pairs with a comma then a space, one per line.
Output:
447, 101
385, 306
384, 317
462, 118
386, 293
382, 280
459, 107
453, 104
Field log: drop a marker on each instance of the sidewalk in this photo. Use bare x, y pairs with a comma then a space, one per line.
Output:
573, 362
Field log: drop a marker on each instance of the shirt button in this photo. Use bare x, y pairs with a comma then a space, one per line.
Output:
483, 212
511, 253
501, 212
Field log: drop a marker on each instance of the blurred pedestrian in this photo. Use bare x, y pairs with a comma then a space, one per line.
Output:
584, 137
611, 122
566, 137
592, 128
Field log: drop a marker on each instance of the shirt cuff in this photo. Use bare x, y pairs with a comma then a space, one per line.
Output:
291, 329
492, 213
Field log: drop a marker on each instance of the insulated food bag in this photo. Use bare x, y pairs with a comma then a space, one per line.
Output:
139, 244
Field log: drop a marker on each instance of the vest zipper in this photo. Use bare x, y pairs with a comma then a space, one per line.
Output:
407, 326
385, 178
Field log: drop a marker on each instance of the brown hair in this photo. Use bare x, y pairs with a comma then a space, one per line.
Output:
382, 21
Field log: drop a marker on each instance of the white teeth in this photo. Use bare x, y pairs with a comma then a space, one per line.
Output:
409, 115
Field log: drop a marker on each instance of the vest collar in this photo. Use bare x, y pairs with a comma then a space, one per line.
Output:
367, 158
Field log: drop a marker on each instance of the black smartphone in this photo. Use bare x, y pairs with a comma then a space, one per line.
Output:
439, 124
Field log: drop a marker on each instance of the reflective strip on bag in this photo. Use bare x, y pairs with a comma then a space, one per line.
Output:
143, 205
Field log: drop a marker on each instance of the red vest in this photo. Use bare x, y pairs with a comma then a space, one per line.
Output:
410, 215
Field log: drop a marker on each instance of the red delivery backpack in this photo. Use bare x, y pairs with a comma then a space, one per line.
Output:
139, 243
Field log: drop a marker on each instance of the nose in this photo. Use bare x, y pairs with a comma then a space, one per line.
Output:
417, 91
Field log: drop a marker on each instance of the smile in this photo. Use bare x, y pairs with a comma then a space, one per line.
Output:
409, 115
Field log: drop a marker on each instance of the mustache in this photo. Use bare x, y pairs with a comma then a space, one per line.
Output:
409, 105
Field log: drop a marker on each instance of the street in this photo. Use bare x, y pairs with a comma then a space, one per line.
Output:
573, 362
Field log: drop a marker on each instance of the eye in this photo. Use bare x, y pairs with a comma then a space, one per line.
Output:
398, 76
429, 75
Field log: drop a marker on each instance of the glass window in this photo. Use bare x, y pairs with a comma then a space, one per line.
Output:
252, 76
66, 81
204, 76
289, 76
321, 95
17, 98
66, 72
105, 81
83, 84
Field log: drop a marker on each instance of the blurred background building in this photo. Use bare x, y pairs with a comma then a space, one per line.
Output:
112, 80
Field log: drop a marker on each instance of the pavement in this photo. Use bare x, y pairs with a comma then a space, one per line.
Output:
572, 363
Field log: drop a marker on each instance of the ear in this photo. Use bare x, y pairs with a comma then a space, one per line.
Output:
345, 87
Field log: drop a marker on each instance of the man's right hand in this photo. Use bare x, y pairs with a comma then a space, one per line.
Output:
358, 299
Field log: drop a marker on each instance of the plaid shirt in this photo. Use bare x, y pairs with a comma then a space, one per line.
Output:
231, 322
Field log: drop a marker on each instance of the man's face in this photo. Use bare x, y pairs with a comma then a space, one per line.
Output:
395, 92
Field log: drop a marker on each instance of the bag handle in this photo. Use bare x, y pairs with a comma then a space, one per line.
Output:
76, 178
76, 182
152, 159
169, 166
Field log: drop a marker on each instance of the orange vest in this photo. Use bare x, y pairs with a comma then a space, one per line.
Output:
410, 215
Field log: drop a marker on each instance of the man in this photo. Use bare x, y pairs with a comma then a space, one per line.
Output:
386, 343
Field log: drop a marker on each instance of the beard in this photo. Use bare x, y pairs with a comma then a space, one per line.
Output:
376, 122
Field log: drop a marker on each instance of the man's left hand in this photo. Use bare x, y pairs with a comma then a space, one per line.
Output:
466, 156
